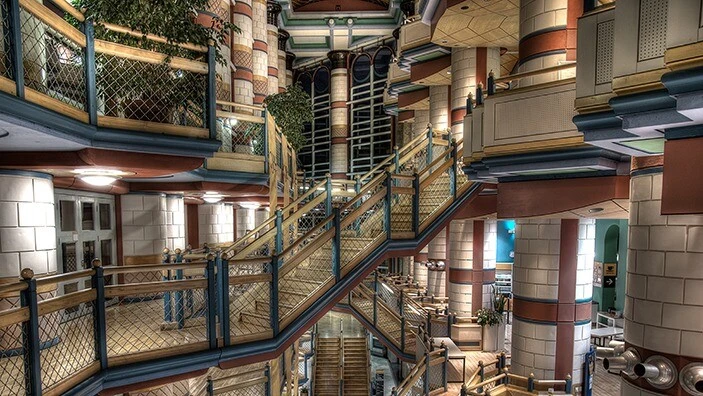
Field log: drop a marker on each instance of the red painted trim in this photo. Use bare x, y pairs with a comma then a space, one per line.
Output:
72, 183
564, 355
193, 229
420, 71
259, 98
338, 140
152, 384
339, 176
421, 257
537, 198
458, 115
682, 191
568, 257
410, 98
651, 161
241, 9
344, 6
573, 11
243, 74
482, 66
543, 42
170, 187
551, 312
481, 206
273, 71
406, 115
338, 104
259, 45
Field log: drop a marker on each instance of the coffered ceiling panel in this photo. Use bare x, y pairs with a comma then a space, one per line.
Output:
478, 23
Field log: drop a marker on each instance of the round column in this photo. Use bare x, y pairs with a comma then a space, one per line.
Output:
283, 80
151, 222
419, 126
215, 223
664, 297
547, 37
245, 221
420, 273
461, 240
490, 246
437, 248
439, 107
261, 215
219, 9
242, 53
260, 57
339, 95
552, 289
273, 9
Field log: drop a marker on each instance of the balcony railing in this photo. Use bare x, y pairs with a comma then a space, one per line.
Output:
249, 291
61, 66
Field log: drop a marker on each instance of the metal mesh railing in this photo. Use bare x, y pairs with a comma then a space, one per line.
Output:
461, 178
12, 375
174, 314
363, 224
138, 90
436, 373
249, 302
53, 64
434, 195
68, 340
5, 58
240, 136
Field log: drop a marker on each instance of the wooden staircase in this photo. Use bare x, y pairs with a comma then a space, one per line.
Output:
327, 361
356, 367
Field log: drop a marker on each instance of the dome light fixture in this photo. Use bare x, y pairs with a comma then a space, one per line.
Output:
249, 205
212, 197
98, 177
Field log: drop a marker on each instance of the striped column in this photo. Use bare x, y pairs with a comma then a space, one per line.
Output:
419, 126
339, 95
219, 9
260, 57
245, 220
283, 80
552, 290
664, 296
469, 67
439, 106
273, 10
547, 37
472, 252
242, 53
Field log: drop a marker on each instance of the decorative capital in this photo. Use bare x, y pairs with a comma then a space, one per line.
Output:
273, 9
283, 37
339, 58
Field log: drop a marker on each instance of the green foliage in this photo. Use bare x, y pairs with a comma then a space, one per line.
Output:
291, 109
499, 300
488, 317
172, 19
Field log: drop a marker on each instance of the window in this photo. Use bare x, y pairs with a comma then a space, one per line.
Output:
87, 216
104, 214
67, 215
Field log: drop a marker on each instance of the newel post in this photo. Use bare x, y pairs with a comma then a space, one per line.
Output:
211, 101
91, 93
389, 199
337, 244
223, 268
99, 323
31, 343
211, 301
274, 295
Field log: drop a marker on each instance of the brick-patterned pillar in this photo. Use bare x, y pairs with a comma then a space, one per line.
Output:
151, 222
552, 290
339, 95
244, 218
419, 126
439, 106
469, 67
664, 297
547, 37
260, 216
260, 57
471, 261
242, 53
215, 223
283, 81
220, 9
273, 9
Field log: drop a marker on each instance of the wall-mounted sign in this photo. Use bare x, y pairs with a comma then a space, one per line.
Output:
597, 274
610, 269
608, 282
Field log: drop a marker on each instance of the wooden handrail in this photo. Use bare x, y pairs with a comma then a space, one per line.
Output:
487, 382
240, 116
68, 276
373, 183
153, 287
305, 209
129, 269
518, 76
157, 58
149, 36
242, 105
54, 21
406, 157
435, 175
14, 287
289, 264
440, 158
67, 7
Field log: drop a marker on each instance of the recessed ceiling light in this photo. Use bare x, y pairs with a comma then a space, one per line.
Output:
595, 210
98, 177
249, 205
212, 197
465, 8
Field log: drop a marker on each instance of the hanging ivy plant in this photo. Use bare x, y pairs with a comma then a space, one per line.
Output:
292, 109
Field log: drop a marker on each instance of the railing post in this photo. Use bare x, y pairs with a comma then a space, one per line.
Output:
91, 94
266, 141
389, 199
569, 383
491, 83
427, 372
211, 302
416, 204
210, 387
452, 170
180, 313
396, 158
223, 268
211, 101
168, 303
16, 45
31, 343
279, 231
481, 375
99, 324
274, 295
401, 309
430, 135
328, 198
450, 322
402, 333
375, 308
479, 94
445, 367
531, 382
267, 373
337, 245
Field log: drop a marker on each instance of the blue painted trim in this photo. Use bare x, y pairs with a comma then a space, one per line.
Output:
647, 171
99, 318
601, 120
538, 300
230, 177
178, 365
210, 92
91, 92
686, 132
46, 121
683, 81
582, 322
642, 102
584, 300
17, 65
14, 172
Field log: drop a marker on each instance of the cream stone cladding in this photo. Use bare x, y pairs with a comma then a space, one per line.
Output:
151, 222
215, 223
242, 53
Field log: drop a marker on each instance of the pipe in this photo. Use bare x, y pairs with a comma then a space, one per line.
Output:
659, 371
691, 378
617, 346
603, 352
624, 362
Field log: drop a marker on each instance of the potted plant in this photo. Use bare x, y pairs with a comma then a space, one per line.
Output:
492, 321
291, 109
154, 92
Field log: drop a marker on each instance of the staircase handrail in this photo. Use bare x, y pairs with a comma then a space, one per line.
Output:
398, 154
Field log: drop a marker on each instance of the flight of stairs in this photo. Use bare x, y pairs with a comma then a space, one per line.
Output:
327, 362
356, 367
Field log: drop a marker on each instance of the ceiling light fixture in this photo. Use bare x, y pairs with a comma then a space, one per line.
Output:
595, 210
98, 177
249, 205
212, 197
